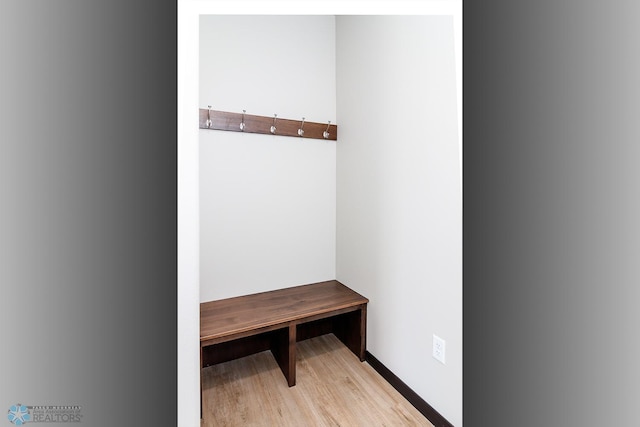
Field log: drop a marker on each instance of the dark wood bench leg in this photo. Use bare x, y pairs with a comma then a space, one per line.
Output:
284, 351
351, 329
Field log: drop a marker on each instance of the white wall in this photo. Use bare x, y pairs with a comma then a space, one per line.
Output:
399, 205
188, 221
267, 203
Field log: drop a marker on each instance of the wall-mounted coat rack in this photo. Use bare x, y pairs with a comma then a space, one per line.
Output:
241, 122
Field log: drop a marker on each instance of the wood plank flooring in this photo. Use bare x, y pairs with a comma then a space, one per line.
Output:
333, 389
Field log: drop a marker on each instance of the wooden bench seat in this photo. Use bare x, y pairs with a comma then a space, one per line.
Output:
276, 320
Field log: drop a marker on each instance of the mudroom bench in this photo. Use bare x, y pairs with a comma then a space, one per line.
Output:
276, 320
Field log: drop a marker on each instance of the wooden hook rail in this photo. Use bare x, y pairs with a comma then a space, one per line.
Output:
222, 120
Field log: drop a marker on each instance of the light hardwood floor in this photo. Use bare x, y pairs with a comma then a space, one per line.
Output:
333, 388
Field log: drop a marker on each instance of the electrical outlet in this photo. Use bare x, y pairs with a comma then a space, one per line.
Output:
438, 348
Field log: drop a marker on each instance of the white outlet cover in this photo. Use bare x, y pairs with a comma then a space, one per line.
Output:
439, 349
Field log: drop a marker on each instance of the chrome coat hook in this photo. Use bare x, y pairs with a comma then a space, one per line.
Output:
242, 122
273, 126
301, 131
325, 134
209, 122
